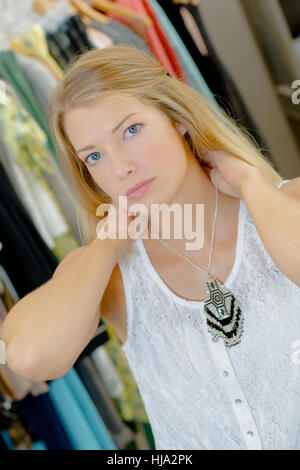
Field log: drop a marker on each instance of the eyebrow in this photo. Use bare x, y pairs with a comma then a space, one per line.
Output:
114, 130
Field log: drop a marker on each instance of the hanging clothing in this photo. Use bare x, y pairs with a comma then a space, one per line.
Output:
237, 106
291, 11
156, 39
192, 74
43, 84
129, 401
8, 293
91, 379
11, 72
198, 394
34, 43
68, 40
206, 65
27, 238
42, 416
27, 145
24, 255
179, 73
211, 67
40, 79
121, 34
82, 422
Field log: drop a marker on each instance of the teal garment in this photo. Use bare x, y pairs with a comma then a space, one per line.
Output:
190, 70
84, 426
39, 445
11, 71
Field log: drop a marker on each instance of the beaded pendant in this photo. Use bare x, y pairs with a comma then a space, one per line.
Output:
223, 314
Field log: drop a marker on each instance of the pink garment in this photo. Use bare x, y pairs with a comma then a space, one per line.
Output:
153, 39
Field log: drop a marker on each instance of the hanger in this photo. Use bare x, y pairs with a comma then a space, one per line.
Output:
41, 6
187, 2
87, 12
122, 12
34, 43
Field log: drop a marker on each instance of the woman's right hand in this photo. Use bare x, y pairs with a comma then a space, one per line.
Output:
124, 227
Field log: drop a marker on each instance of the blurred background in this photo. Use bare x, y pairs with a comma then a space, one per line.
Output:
242, 55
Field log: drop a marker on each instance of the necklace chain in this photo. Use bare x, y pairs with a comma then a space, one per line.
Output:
211, 243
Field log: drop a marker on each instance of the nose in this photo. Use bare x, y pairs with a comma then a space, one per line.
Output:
122, 166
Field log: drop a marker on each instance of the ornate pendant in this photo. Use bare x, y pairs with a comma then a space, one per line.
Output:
223, 315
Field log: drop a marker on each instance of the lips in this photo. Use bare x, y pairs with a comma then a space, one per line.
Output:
137, 186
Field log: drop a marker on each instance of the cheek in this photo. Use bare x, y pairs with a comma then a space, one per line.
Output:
152, 157
163, 154
103, 180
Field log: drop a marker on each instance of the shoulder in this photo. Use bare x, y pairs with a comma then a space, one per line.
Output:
292, 187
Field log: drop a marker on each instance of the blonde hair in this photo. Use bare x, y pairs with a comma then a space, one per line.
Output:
130, 71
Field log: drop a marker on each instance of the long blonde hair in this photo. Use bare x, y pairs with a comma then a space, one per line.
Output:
131, 71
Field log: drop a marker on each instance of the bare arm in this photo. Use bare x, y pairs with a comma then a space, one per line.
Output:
46, 330
276, 215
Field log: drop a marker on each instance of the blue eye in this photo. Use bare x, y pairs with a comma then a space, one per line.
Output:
95, 154
133, 127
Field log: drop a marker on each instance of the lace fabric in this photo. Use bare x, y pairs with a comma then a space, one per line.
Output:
244, 397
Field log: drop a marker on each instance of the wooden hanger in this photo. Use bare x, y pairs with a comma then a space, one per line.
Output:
77, 6
187, 2
86, 11
122, 12
41, 6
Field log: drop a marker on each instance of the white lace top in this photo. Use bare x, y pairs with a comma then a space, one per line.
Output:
199, 394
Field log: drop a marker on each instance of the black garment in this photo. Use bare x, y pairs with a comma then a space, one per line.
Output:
77, 31
105, 405
213, 71
98, 340
291, 10
68, 41
58, 44
39, 415
26, 258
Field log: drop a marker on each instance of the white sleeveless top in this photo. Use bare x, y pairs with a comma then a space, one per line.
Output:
197, 393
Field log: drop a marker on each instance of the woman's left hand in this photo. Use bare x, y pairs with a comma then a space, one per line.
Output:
228, 172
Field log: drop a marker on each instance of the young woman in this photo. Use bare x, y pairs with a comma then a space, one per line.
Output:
208, 381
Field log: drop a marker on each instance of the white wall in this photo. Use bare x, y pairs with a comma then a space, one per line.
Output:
235, 44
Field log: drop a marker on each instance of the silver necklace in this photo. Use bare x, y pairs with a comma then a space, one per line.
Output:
223, 315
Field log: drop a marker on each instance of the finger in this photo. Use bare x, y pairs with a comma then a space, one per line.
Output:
210, 159
214, 176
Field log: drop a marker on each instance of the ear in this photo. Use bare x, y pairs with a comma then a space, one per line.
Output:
180, 127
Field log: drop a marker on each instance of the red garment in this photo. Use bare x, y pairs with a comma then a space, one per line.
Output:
165, 42
156, 39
